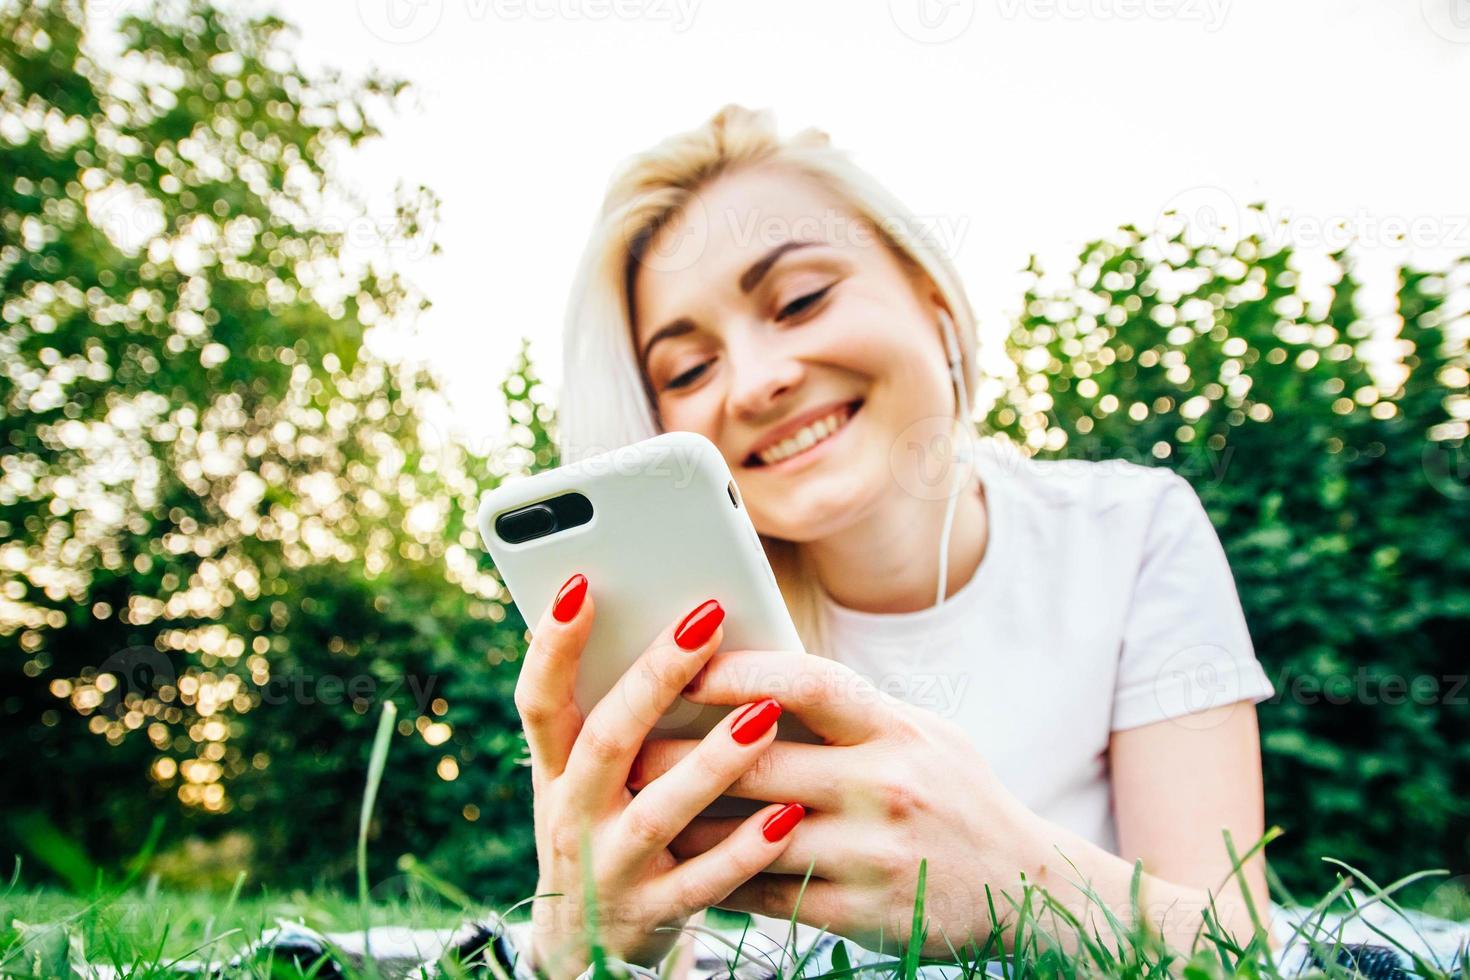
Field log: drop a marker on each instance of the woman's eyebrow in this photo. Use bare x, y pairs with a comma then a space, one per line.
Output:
677, 328
758, 269
748, 281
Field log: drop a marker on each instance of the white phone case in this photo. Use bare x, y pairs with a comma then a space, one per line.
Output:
667, 532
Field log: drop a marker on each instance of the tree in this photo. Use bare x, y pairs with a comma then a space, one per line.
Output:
228, 530
1335, 493
215, 501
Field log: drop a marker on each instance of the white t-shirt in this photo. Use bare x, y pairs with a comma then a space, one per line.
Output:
1103, 602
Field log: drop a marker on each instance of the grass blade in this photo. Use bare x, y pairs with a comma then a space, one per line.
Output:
916, 931
376, 763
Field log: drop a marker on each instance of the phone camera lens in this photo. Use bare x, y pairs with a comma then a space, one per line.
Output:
526, 523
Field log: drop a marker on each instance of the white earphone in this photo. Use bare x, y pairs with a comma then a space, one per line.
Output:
963, 453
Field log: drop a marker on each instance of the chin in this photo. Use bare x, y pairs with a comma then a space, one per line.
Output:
819, 507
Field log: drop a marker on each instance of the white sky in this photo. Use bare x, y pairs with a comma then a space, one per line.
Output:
1016, 126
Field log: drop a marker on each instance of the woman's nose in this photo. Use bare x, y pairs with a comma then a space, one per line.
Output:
760, 379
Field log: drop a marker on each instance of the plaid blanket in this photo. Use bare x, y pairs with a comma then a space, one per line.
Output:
1375, 941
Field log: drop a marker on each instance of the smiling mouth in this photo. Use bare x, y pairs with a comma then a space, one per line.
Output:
812, 434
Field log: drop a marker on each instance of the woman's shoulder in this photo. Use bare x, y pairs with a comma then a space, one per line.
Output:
1115, 488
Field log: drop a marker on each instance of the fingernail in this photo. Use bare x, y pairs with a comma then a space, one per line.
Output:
782, 821
569, 599
754, 720
699, 625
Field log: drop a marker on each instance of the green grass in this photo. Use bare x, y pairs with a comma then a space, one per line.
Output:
143, 922
145, 930
151, 929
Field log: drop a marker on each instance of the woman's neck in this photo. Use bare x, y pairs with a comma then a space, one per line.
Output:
889, 562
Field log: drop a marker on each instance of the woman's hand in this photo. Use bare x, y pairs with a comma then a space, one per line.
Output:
893, 785
896, 784
579, 774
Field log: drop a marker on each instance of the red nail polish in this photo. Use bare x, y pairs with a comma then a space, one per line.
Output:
699, 625
569, 599
782, 821
754, 720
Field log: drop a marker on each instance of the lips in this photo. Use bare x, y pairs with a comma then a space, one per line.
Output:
803, 433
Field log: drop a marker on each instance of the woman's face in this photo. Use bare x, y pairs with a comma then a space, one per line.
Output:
775, 322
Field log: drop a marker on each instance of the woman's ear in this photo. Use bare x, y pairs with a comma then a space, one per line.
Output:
938, 309
925, 291
933, 304
936, 301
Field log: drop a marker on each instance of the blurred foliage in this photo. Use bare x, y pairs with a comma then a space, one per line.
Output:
1340, 496
228, 529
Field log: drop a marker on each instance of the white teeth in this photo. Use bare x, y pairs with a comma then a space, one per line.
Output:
806, 438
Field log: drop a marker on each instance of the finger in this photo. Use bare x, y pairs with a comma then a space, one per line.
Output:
544, 689
617, 725
707, 879
667, 804
809, 774
701, 834
824, 845
833, 700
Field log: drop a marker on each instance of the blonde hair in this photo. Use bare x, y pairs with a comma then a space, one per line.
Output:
605, 403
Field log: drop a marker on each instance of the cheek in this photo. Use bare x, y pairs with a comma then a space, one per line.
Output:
882, 340
909, 380
860, 335
697, 412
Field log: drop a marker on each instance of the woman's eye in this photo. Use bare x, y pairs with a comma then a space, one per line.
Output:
687, 377
803, 304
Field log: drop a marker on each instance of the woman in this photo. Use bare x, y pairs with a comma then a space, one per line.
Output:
1083, 697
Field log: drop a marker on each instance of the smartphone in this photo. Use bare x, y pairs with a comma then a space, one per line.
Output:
657, 527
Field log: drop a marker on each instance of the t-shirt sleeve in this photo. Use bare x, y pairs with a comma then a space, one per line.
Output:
1185, 644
